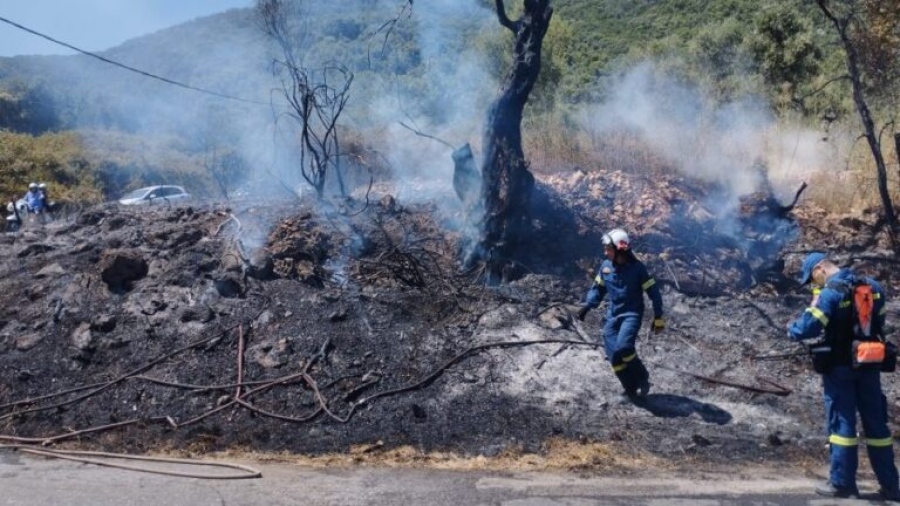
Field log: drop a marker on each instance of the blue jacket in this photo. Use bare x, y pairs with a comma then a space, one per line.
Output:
831, 314
34, 200
625, 285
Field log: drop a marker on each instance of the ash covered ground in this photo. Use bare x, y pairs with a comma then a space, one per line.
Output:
307, 328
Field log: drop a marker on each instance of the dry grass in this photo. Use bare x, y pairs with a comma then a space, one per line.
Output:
551, 146
838, 166
557, 454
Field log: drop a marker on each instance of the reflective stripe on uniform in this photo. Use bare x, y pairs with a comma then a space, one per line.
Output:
844, 303
876, 296
624, 363
882, 442
647, 284
842, 441
599, 280
883, 310
818, 315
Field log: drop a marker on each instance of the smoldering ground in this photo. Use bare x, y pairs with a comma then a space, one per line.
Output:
352, 326
207, 351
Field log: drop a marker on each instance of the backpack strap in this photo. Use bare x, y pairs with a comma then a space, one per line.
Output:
847, 331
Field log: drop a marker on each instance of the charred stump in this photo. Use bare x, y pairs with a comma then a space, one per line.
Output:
506, 181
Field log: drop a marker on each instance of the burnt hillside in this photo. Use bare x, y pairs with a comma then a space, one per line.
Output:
303, 328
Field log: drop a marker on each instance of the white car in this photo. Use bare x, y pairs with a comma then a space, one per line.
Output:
163, 194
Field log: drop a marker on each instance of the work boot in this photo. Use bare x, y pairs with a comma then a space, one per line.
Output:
643, 388
892, 496
628, 397
829, 490
633, 397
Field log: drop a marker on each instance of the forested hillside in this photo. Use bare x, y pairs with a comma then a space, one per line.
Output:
433, 65
590, 39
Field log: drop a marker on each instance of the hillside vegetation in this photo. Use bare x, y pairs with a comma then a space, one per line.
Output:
430, 66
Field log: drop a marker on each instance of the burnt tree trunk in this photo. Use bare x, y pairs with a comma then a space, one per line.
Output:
897, 147
506, 181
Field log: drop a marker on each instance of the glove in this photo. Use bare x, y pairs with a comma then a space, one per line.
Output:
582, 312
659, 324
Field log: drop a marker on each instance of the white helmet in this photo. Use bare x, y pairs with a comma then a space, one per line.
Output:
42, 186
32, 186
616, 238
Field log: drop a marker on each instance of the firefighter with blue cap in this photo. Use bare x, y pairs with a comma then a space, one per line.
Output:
624, 279
848, 387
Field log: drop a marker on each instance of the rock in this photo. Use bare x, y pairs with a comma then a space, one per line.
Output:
553, 319
52, 270
103, 323
34, 249
201, 314
81, 337
263, 321
26, 342
270, 354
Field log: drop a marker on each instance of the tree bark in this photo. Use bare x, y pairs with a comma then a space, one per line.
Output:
897, 148
506, 181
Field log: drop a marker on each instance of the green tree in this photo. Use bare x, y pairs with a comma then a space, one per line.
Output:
785, 53
58, 159
27, 109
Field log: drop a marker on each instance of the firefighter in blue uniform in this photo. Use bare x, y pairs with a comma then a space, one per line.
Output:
624, 279
846, 389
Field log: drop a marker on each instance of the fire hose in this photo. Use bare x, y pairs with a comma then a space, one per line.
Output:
89, 457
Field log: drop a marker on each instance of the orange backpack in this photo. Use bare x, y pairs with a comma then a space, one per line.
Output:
869, 348
862, 300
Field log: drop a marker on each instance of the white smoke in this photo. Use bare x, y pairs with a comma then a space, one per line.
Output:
421, 120
722, 143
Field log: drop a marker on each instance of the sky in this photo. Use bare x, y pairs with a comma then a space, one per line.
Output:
95, 25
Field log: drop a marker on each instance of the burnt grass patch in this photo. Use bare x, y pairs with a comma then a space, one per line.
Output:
295, 328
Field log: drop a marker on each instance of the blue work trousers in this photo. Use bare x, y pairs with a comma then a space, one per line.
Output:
847, 391
619, 341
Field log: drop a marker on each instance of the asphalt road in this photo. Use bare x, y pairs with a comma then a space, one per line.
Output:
27, 480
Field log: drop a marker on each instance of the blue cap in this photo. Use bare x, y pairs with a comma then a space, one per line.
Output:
809, 263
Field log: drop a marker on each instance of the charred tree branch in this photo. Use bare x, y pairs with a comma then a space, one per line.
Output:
775, 390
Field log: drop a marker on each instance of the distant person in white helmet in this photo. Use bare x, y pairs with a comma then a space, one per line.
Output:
624, 279
34, 200
49, 206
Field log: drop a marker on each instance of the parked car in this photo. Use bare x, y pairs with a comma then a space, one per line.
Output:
161, 194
